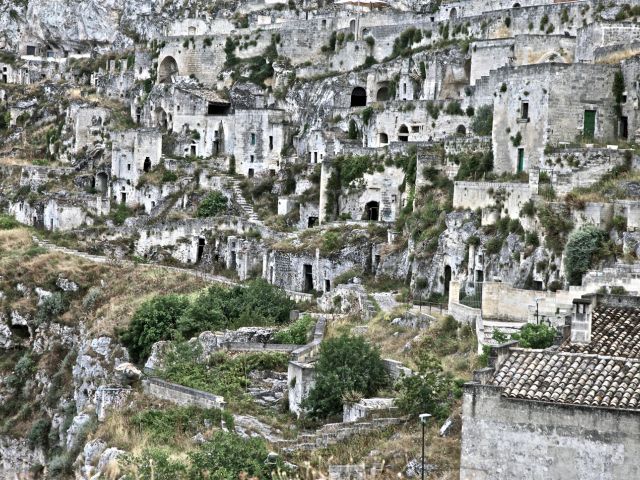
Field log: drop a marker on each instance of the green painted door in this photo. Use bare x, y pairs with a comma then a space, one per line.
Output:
520, 160
589, 123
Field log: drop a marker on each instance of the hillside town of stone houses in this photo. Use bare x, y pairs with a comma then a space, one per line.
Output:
319, 239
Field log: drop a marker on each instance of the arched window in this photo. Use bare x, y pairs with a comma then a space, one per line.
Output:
384, 138
453, 14
352, 26
372, 211
147, 164
358, 97
461, 130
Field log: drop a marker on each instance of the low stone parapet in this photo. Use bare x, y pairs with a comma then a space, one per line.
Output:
181, 395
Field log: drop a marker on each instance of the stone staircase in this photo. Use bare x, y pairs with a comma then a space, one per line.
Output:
239, 198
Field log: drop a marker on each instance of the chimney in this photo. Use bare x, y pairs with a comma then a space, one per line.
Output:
581, 319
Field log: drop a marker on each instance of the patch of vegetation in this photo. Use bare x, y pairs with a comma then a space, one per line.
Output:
349, 367
556, 228
220, 373
583, 250
164, 424
211, 205
168, 317
482, 123
297, 333
537, 336
473, 166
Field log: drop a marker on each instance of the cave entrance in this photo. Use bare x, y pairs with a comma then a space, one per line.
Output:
447, 279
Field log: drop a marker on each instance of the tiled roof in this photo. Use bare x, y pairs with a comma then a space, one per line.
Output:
570, 378
614, 332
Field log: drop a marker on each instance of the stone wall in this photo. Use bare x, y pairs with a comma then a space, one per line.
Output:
473, 195
503, 438
181, 395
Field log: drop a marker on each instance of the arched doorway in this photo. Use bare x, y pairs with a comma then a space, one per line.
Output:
352, 26
147, 164
383, 94
167, 69
161, 118
384, 138
358, 97
461, 130
453, 14
372, 211
403, 133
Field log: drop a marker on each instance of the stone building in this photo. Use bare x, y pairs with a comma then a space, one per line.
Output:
571, 413
134, 153
536, 106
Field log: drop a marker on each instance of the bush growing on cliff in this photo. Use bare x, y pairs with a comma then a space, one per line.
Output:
582, 250
211, 205
346, 366
482, 123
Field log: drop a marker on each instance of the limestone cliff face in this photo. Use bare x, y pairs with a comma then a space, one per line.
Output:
74, 25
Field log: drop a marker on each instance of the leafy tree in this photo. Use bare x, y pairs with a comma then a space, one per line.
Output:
427, 391
581, 251
346, 365
482, 123
155, 320
535, 336
211, 205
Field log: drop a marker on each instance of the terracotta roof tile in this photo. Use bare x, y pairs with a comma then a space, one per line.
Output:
570, 378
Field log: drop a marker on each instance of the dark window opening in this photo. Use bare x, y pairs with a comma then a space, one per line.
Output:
193, 150
270, 142
214, 109
524, 111
251, 172
200, 249
358, 97
147, 164
31, 50
383, 94
384, 138
327, 285
312, 222
123, 197
461, 130
479, 276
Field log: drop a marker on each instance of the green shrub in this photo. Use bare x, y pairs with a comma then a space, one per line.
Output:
353, 130
453, 108
582, 250
346, 366
473, 166
7, 222
297, 333
52, 307
428, 391
169, 176
211, 205
556, 227
39, 433
228, 457
166, 423
155, 320
494, 245
535, 336
482, 123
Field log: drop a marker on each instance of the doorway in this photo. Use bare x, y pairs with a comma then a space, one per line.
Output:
589, 123
520, 160
307, 273
200, 249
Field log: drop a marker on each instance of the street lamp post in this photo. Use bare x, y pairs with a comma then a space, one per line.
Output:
424, 418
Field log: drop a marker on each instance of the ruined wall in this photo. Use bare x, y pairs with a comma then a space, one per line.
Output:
203, 61
504, 438
600, 34
473, 195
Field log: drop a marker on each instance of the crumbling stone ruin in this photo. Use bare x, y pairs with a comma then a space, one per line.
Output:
437, 177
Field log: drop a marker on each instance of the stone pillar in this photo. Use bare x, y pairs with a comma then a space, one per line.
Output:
325, 172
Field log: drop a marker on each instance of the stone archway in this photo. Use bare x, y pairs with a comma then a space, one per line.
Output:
167, 69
